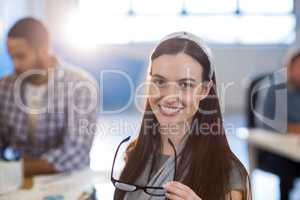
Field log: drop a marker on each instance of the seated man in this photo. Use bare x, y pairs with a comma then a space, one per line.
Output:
293, 74
286, 169
46, 107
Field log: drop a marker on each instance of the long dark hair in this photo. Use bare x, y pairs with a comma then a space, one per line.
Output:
206, 155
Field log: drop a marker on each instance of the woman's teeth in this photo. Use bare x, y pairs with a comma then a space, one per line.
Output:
170, 110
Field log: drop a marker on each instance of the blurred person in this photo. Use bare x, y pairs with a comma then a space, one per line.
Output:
293, 89
44, 103
286, 169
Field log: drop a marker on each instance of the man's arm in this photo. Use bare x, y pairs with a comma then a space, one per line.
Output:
294, 128
74, 152
37, 166
1, 133
2, 124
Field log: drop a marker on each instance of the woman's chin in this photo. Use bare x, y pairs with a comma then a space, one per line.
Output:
169, 119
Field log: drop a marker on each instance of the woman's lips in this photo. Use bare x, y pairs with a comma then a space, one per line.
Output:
169, 111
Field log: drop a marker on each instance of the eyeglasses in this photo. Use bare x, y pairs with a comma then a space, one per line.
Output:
130, 187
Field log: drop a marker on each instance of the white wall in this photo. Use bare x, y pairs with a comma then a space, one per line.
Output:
234, 64
238, 64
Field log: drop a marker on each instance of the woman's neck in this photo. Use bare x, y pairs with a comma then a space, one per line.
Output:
174, 132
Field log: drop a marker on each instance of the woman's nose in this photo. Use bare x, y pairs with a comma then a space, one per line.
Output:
170, 101
171, 93
172, 89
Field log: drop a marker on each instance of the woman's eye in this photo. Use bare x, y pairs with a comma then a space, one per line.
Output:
159, 83
186, 85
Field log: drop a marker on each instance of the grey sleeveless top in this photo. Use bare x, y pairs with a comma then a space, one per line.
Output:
236, 181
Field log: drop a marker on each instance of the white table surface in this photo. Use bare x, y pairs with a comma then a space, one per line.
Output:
287, 145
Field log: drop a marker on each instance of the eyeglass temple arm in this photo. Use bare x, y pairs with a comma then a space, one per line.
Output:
115, 157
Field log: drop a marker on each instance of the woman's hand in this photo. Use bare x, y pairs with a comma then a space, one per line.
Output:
179, 191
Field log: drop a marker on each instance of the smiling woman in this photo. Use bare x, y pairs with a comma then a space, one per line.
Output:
182, 83
182, 96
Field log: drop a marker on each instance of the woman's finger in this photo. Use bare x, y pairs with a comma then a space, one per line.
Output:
177, 190
180, 186
181, 190
173, 197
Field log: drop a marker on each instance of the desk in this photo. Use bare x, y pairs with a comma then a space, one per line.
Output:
287, 145
27, 183
78, 185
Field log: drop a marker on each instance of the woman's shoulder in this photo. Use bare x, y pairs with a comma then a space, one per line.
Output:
238, 176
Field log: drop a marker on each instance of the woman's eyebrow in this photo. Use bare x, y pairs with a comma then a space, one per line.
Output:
180, 80
187, 79
158, 76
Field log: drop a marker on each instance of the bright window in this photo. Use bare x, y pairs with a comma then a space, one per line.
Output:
227, 22
267, 6
211, 6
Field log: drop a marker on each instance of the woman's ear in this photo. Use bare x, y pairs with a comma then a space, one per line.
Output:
205, 89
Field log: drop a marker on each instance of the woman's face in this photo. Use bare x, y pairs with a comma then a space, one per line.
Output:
176, 88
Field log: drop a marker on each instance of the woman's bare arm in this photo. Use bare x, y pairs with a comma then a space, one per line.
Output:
234, 195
